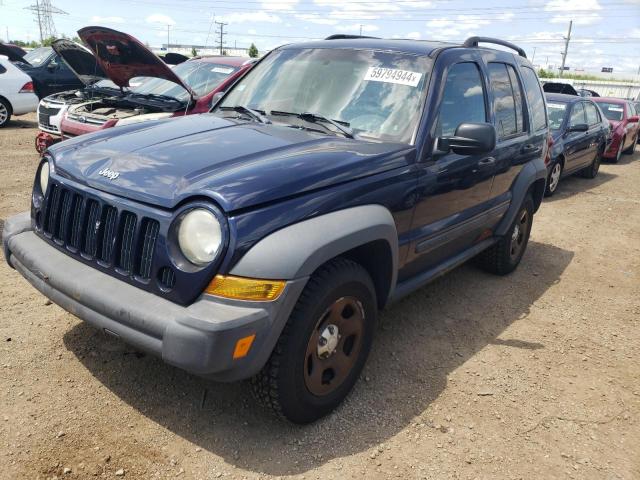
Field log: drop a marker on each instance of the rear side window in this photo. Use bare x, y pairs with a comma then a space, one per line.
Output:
593, 117
507, 101
2, 69
577, 115
534, 98
462, 100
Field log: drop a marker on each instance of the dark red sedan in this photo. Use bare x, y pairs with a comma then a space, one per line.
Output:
624, 126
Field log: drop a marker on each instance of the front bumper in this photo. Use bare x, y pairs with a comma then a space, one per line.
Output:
199, 338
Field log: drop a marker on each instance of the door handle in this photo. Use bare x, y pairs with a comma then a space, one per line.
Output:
486, 162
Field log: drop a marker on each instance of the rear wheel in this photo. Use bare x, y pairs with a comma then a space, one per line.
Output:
323, 346
554, 178
5, 112
592, 170
504, 256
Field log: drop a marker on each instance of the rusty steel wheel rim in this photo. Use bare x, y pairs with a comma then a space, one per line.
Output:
334, 346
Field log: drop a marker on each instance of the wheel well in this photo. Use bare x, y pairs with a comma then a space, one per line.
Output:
561, 160
377, 260
6, 100
537, 192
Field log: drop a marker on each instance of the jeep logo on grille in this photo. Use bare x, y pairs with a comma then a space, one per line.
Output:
110, 174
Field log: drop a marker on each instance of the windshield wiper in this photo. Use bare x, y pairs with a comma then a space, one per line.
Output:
156, 95
315, 118
255, 114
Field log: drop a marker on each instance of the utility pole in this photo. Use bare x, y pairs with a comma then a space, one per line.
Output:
534, 55
221, 32
43, 12
360, 30
566, 48
168, 27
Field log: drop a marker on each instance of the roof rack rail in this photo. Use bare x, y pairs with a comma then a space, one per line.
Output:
474, 41
344, 36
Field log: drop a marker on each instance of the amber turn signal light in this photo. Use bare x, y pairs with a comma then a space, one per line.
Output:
242, 346
241, 288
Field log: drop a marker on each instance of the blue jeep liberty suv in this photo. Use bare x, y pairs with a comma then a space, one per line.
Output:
261, 239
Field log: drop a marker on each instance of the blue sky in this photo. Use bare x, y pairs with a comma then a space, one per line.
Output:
606, 33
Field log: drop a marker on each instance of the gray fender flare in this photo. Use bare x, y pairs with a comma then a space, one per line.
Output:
531, 173
298, 250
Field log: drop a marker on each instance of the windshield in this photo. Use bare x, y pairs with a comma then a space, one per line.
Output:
613, 111
556, 114
377, 94
202, 77
38, 56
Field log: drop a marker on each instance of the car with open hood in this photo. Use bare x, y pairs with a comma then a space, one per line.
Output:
49, 73
625, 128
187, 88
97, 85
580, 135
261, 239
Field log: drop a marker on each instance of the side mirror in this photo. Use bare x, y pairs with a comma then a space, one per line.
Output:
52, 66
634, 119
215, 98
580, 127
470, 139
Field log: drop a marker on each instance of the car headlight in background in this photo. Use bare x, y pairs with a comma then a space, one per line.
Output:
44, 177
200, 236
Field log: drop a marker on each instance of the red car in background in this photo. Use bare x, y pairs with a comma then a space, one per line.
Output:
624, 126
162, 92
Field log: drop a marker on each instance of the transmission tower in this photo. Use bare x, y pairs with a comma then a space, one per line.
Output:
220, 31
43, 13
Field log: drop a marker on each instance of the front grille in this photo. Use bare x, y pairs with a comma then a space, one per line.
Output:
49, 110
101, 232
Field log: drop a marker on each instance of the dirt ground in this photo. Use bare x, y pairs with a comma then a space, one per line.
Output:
530, 376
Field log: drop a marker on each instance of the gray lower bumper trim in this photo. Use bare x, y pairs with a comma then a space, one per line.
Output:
199, 338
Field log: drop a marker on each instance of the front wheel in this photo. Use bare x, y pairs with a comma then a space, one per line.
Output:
632, 147
504, 256
324, 345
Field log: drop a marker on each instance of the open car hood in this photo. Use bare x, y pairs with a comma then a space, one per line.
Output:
13, 53
559, 87
80, 60
122, 57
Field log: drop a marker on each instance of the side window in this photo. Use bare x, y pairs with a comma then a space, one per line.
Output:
517, 95
2, 69
508, 110
593, 117
577, 115
62, 65
534, 98
462, 100
631, 109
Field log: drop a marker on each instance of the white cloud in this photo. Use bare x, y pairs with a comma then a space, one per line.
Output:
317, 19
251, 31
356, 28
98, 19
250, 17
161, 18
414, 35
582, 12
279, 5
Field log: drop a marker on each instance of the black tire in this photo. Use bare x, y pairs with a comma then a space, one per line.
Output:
616, 159
553, 179
592, 170
631, 147
285, 383
500, 258
5, 112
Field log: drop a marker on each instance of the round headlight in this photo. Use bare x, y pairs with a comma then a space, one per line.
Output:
200, 236
44, 177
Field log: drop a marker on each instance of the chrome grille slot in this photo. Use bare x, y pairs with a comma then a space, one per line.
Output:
149, 234
107, 234
128, 223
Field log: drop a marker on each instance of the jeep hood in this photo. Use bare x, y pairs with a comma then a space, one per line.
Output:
236, 164
123, 57
80, 60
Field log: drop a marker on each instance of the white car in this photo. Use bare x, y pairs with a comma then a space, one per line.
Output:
16, 92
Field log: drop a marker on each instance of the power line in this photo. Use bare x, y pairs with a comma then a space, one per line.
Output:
43, 12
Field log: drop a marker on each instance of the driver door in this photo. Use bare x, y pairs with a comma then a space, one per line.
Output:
453, 189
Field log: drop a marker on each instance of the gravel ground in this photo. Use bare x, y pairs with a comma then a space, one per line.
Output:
534, 375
